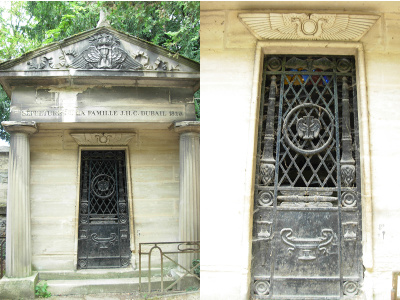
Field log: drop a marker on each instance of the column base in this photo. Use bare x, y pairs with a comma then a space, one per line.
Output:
18, 288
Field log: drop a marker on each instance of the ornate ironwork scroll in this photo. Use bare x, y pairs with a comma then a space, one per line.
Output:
103, 240
307, 217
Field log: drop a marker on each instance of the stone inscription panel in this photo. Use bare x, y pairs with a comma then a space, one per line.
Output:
127, 114
102, 105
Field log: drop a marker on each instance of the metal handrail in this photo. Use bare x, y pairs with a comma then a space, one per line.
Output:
194, 247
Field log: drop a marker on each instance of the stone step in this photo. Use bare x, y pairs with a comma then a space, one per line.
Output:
96, 286
96, 274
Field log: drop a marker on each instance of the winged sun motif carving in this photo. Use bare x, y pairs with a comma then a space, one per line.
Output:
294, 26
104, 52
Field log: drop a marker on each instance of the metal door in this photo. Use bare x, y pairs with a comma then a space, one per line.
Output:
103, 240
307, 210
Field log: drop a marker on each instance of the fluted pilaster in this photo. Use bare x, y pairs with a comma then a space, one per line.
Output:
189, 206
18, 243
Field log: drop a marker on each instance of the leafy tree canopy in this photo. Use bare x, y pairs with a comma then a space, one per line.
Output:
25, 26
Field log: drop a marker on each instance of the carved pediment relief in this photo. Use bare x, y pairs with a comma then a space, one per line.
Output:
103, 139
294, 26
102, 49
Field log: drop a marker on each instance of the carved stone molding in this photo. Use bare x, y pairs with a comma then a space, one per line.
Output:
292, 26
98, 139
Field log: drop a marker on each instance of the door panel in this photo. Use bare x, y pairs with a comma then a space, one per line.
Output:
103, 240
307, 216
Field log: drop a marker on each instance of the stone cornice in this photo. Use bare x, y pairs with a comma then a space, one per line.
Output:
103, 139
295, 26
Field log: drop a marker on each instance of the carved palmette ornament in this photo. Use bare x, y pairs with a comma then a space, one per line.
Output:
348, 173
294, 26
267, 172
350, 231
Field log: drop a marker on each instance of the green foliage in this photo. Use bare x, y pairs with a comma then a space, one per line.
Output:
174, 25
197, 108
25, 26
41, 290
197, 269
4, 113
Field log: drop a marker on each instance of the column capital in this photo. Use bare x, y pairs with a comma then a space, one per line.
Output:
186, 126
22, 127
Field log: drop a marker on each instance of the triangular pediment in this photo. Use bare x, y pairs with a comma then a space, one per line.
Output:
101, 48
100, 52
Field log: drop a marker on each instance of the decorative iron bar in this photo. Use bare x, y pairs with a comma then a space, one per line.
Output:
395, 283
307, 216
2, 255
177, 248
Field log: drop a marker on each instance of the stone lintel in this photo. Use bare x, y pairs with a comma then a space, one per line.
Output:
28, 127
186, 126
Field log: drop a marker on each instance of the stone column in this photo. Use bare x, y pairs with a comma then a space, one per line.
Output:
189, 196
18, 230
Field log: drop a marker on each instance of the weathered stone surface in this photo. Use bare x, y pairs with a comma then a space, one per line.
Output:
18, 288
18, 249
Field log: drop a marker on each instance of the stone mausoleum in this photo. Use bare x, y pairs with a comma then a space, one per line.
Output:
104, 155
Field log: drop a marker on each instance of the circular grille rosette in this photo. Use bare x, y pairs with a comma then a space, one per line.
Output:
103, 186
261, 287
308, 128
350, 288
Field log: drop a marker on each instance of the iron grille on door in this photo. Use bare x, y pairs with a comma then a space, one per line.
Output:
103, 240
307, 212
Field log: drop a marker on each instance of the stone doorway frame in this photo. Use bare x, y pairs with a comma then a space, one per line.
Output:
315, 48
130, 199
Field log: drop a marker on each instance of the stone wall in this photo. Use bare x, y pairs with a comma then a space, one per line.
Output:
154, 169
228, 85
